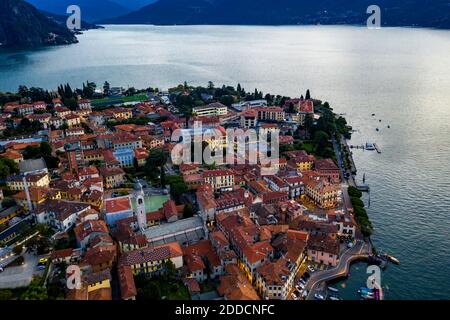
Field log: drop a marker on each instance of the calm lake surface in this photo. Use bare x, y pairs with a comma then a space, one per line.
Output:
401, 75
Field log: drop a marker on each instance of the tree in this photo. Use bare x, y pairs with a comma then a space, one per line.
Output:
45, 148
35, 291
155, 163
8, 167
188, 211
354, 192
308, 95
6, 294
106, 88
321, 141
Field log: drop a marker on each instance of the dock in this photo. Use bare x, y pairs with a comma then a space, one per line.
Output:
363, 187
377, 148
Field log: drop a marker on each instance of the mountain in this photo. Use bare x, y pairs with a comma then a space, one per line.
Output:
424, 13
62, 20
91, 10
134, 4
22, 25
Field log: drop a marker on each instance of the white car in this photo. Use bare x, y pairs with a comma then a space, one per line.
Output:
1, 269
311, 268
294, 296
319, 296
302, 281
300, 286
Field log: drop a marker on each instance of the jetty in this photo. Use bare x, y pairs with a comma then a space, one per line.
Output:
377, 148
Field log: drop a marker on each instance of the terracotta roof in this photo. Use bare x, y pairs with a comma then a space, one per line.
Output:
126, 280
117, 204
88, 227
149, 254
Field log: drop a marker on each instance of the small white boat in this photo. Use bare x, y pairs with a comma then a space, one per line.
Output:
333, 289
334, 298
370, 146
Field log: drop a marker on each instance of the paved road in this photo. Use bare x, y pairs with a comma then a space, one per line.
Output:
358, 251
20, 276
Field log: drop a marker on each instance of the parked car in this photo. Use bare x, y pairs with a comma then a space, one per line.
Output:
311, 268
1, 269
319, 296
302, 281
300, 286
305, 293
43, 260
41, 267
294, 296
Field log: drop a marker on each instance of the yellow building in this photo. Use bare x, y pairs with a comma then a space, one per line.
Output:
37, 196
98, 280
151, 260
323, 193
8, 213
219, 179
32, 180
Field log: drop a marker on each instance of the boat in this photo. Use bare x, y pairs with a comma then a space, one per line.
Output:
334, 298
389, 126
392, 259
379, 120
373, 114
377, 129
333, 289
366, 293
370, 146
365, 290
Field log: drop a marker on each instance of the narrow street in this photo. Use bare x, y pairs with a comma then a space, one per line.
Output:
360, 250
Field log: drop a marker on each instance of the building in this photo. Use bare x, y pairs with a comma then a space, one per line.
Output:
184, 231
323, 193
112, 177
127, 286
58, 214
270, 114
302, 160
212, 109
8, 213
328, 169
16, 182
219, 179
116, 209
151, 260
125, 157
249, 119
323, 249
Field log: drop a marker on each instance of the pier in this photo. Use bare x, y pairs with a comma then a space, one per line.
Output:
377, 148
363, 187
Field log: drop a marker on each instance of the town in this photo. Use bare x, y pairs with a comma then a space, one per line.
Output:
87, 180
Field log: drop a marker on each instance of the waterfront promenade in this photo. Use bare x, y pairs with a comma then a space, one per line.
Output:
360, 250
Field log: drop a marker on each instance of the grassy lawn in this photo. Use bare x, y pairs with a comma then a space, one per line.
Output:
308, 147
160, 287
117, 100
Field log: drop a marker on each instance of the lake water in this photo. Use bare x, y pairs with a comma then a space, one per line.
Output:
402, 75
